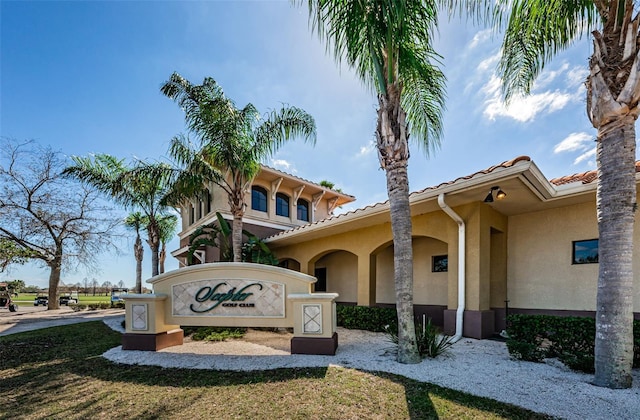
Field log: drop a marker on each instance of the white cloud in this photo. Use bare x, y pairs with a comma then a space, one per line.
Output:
480, 38
284, 165
574, 142
577, 75
367, 149
548, 94
547, 77
489, 63
586, 155
523, 109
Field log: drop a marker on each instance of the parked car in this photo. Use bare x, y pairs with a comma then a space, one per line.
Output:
116, 294
69, 298
41, 299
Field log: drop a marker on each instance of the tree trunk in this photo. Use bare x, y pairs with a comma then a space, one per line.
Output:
154, 244
393, 152
236, 238
612, 107
616, 202
54, 280
138, 251
163, 256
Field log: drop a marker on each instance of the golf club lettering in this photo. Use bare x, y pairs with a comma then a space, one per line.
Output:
231, 297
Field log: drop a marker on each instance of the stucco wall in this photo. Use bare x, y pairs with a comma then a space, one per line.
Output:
540, 273
342, 275
428, 288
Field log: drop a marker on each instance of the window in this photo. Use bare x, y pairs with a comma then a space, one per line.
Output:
192, 215
258, 199
585, 252
303, 210
440, 263
209, 200
282, 205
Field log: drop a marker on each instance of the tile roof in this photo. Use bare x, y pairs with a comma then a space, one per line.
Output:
584, 177
306, 180
506, 164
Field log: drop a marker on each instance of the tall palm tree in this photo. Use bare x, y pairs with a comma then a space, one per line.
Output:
535, 31
231, 143
388, 44
137, 221
130, 186
168, 224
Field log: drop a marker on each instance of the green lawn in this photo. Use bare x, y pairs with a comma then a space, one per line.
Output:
58, 373
26, 299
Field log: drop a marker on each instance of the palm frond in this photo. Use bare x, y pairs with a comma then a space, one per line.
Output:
280, 126
536, 31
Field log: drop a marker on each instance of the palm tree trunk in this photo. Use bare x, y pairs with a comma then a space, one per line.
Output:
236, 238
154, 244
616, 203
138, 251
393, 152
163, 256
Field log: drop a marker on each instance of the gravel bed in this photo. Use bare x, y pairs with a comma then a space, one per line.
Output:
479, 367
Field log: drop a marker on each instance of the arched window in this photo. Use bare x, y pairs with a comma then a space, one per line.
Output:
303, 210
282, 205
258, 199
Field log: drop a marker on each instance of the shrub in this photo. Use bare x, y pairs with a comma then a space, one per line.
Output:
117, 305
77, 307
214, 333
431, 343
570, 339
369, 318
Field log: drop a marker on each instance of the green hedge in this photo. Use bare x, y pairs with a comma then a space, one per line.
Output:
570, 339
370, 318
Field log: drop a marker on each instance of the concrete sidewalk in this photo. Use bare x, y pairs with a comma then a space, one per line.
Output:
29, 319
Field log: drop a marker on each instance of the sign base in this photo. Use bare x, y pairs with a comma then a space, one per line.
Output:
320, 346
152, 342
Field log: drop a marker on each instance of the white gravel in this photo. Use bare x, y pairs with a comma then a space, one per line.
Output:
479, 367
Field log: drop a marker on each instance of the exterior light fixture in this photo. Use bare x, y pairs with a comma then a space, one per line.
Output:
499, 195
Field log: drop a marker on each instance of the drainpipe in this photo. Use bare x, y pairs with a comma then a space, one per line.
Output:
462, 259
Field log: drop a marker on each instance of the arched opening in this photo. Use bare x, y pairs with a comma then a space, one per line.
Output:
337, 272
430, 277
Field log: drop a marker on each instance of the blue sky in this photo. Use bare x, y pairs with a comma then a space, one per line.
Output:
84, 77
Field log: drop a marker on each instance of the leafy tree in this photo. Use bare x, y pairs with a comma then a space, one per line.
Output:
535, 31
137, 222
231, 143
58, 222
17, 286
130, 186
388, 44
11, 253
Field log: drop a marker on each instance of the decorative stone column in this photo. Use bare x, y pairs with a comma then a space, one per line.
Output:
315, 323
145, 327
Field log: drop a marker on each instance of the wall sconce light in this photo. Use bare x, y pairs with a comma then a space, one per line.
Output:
499, 195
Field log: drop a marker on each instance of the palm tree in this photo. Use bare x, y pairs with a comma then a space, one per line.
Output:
388, 44
231, 143
137, 221
535, 30
168, 224
134, 187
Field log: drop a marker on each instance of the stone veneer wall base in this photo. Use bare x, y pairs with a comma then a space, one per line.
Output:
152, 342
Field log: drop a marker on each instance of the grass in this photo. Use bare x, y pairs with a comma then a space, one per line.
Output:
26, 299
58, 373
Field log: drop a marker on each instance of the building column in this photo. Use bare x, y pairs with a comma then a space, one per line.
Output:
366, 280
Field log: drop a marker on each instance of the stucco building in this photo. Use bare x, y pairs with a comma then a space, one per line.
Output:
502, 239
